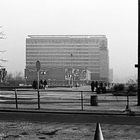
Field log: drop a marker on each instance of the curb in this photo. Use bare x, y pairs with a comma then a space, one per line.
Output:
105, 112
67, 117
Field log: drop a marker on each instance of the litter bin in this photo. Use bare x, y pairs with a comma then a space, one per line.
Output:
93, 100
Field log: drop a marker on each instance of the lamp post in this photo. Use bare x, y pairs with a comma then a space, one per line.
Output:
138, 54
138, 65
38, 65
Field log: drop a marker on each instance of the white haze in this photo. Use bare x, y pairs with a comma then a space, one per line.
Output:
117, 19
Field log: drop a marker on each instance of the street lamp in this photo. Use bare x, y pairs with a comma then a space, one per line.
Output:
38, 66
138, 54
138, 65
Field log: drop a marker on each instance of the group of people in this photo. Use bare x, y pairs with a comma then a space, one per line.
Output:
98, 86
42, 84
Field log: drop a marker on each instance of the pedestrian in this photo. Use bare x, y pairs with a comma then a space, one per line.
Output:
96, 84
34, 85
101, 86
41, 84
45, 84
92, 86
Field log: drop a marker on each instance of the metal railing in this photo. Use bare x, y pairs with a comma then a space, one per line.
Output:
64, 100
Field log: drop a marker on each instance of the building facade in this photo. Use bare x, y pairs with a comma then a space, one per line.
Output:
63, 57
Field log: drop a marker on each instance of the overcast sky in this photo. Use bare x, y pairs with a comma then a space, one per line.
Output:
117, 19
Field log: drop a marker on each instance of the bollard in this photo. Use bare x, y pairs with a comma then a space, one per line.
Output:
127, 109
16, 99
98, 133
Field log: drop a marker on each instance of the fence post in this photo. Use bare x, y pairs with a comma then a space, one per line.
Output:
38, 99
82, 100
16, 99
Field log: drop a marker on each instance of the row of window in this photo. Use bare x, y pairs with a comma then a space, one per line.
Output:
64, 52
65, 40
46, 56
74, 64
33, 59
62, 46
51, 48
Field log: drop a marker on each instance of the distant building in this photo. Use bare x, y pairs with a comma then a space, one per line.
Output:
110, 75
64, 57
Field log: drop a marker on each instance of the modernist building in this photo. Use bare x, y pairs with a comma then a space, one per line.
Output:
83, 57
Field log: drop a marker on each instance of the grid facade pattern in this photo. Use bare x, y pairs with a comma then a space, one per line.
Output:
60, 52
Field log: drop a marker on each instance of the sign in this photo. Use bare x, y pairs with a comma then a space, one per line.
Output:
38, 65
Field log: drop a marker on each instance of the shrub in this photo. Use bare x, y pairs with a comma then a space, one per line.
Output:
132, 88
119, 87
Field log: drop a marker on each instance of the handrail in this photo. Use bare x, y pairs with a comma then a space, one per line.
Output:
43, 90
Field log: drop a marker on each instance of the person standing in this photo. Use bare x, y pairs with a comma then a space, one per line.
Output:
92, 86
45, 84
34, 85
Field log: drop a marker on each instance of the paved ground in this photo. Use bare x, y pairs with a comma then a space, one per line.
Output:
65, 131
13, 129
67, 99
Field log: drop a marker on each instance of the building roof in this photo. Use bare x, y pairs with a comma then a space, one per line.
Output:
66, 36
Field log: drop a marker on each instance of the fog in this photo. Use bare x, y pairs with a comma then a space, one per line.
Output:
117, 19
